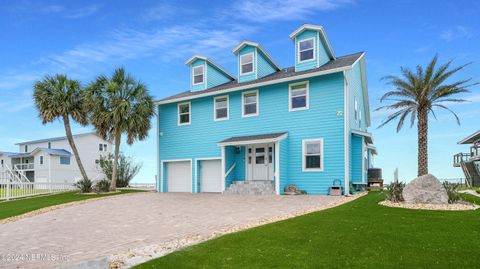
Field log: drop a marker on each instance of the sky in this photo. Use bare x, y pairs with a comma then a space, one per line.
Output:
152, 40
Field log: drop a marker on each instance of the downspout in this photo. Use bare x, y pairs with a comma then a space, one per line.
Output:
346, 134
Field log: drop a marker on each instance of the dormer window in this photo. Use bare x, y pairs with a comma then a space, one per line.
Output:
246, 64
198, 72
306, 50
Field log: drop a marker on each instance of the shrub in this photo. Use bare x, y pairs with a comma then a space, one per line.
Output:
452, 191
102, 185
395, 191
84, 185
127, 169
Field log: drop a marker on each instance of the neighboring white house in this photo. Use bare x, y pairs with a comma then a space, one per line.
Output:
52, 159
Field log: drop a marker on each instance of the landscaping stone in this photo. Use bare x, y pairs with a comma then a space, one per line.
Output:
449, 207
425, 189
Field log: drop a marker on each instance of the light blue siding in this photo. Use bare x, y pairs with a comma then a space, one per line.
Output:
215, 77
284, 164
202, 86
264, 67
229, 161
356, 159
199, 139
240, 167
355, 91
250, 76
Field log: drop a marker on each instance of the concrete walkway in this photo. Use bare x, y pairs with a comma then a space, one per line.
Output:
108, 228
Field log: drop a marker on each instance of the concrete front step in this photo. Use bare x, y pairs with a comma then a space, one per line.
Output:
257, 187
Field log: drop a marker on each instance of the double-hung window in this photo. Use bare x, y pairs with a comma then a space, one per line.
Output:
306, 50
184, 113
221, 108
246, 64
312, 154
198, 76
41, 160
250, 103
298, 95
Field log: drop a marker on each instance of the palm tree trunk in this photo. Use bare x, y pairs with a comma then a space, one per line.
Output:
68, 131
422, 128
113, 184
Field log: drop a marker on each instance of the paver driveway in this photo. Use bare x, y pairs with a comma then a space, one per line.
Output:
114, 226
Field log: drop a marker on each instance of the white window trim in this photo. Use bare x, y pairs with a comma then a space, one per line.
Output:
203, 74
215, 108
41, 160
253, 64
307, 96
355, 109
304, 151
243, 104
189, 113
314, 50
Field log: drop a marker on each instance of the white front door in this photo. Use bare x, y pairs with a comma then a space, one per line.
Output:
211, 176
260, 162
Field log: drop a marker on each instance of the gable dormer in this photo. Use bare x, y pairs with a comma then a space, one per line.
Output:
205, 74
312, 48
253, 61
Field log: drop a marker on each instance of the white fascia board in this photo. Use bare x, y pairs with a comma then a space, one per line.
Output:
256, 85
252, 142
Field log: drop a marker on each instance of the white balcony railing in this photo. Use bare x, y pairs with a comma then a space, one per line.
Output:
24, 166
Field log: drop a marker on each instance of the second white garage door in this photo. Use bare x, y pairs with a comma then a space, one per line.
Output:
211, 176
179, 177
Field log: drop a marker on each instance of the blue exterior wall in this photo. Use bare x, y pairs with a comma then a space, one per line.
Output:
240, 168
253, 75
199, 139
215, 77
229, 161
355, 90
264, 67
284, 164
202, 86
321, 56
356, 159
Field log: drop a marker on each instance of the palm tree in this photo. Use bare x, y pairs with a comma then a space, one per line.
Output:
58, 97
117, 105
417, 93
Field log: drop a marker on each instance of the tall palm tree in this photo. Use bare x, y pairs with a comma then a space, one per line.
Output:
119, 104
58, 97
417, 93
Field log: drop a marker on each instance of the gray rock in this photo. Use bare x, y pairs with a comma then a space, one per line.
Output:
426, 189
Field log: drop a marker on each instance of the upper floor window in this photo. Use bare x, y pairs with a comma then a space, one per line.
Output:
184, 113
250, 103
246, 64
102, 147
41, 160
298, 95
49, 145
221, 108
198, 72
312, 154
64, 160
355, 109
26, 148
306, 50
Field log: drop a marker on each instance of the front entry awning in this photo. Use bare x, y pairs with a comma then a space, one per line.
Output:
253, 139
368, 136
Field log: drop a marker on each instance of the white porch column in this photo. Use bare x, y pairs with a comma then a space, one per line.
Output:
277, 168
223, 168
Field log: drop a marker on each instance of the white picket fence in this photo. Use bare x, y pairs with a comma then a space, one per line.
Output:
12, 190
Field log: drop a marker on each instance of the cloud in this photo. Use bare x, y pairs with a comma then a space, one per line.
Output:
283, 10
161, 11
457, 32
82, 12
42, 9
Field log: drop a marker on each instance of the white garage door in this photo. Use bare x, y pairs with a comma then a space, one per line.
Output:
179, 177
211, 176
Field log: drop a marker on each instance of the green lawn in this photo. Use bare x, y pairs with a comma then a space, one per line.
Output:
360, 234
21, 206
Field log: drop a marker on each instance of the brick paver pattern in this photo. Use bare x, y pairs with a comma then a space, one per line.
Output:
113, 226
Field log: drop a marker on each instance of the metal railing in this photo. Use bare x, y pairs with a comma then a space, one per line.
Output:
459, 158
13, 190
24, 166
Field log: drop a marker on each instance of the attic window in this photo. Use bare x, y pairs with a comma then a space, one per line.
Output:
306, 50
246, 64
198, 74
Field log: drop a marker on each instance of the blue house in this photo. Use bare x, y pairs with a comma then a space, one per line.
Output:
269, 127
